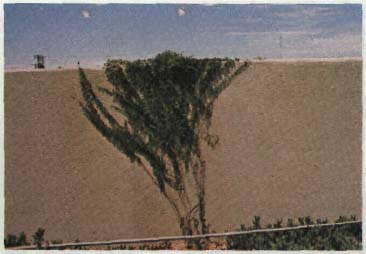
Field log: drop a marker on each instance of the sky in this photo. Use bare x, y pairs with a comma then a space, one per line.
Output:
91, 34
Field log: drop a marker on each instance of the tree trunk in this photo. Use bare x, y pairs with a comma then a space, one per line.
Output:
194, 221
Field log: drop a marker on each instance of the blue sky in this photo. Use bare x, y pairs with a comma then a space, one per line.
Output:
66, 33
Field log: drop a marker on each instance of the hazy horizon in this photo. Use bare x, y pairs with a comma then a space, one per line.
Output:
91, 33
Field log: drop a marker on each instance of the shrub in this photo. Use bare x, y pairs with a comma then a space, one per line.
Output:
337, 237
38, 238
22, 239
57, 241
10, 241
14, 241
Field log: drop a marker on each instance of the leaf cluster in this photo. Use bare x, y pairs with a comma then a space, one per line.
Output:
164, 103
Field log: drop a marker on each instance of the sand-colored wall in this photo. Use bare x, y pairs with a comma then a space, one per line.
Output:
290, 145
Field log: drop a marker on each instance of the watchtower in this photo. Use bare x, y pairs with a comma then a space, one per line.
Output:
38, 61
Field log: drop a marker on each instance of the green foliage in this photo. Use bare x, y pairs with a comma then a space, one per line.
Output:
57, 241
77, 247
290, 222
11, 240
164, 245
14, 241
163, 101
339, 237
160, 115
330, 237
257, 222
22, 239
345, 218
38, 238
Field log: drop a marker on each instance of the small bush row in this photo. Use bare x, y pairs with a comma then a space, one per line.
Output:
337, 237
38, 240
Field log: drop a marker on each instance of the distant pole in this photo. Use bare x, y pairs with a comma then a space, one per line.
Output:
78, 64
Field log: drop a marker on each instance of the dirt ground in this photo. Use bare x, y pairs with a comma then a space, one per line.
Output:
290, 145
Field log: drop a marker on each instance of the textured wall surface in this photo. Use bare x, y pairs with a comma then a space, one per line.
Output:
290, 145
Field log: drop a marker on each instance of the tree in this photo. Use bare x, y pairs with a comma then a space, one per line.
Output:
160, 119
